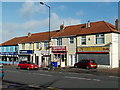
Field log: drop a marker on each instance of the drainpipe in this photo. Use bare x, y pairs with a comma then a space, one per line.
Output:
76, 50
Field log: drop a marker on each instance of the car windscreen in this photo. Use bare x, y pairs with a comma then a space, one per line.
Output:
92, 61
31, 63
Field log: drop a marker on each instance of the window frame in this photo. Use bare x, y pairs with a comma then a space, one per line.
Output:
37, 45
71, 40
23, 45
83, 40
59, 41
98, 37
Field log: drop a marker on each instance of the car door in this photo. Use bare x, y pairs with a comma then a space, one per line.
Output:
81, 64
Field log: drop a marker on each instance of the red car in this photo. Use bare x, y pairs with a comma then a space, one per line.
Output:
88, 64
27, 65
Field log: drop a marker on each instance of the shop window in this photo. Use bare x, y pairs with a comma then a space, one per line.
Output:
83, 40
100, 39
59, 41
71, 39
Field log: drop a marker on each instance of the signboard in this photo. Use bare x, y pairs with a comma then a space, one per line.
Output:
8, 53
26, 52
44, 52
58, 48
90, 49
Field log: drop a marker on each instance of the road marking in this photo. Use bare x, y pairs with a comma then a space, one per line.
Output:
113, 77
41, 74
12, 71
82, 78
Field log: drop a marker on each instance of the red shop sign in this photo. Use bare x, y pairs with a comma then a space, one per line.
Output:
58, 48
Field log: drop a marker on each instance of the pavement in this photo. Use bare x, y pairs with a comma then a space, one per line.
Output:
100, 71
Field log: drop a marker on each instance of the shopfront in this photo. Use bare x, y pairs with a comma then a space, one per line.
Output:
100, 54
59, 55
11, 57
45, 58
26, 55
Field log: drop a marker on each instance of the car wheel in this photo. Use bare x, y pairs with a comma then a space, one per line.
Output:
18, 67
87, 67
76, 66
28, 68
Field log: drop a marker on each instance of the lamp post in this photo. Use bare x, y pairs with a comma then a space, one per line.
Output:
49, 30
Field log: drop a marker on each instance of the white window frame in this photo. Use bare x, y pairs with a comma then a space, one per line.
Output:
71, 40
23, 45
37, 45
30, 45
83, 40
59, 41
100, 37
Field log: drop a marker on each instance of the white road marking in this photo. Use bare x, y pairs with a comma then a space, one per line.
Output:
113, 77
41, 74
12, 71
82, 78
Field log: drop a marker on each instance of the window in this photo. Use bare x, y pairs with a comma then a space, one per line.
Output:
100, 39
30, 45
59, 41
11, 49
16, 48
71, 39
46, 44
83, 40
37, 45
23, 46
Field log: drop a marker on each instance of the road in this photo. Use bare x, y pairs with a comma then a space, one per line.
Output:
44, 78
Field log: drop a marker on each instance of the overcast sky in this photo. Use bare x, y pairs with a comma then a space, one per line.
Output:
19, 18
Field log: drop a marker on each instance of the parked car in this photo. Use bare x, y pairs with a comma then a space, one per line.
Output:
1, 71
88, 64
27, 65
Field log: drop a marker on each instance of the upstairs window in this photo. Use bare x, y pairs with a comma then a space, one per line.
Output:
46, 44
59, 41
100, 39
83, 40
37, 45
16, 48
71, 39
30, 45
23, 46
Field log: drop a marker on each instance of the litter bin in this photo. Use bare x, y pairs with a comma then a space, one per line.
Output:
54, 64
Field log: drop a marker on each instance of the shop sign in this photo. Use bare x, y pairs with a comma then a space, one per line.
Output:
88, 49
44, 52
8, 53
58, 48
26, 52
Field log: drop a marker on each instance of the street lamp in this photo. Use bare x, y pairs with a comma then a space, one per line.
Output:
49, 29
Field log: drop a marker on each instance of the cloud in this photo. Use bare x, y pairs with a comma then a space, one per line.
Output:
29, 9
11, 30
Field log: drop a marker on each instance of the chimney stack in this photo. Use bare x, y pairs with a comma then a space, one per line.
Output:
116, 24
29, 34
62, 27
87, 25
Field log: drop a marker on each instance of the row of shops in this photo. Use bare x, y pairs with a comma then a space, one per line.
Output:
60, 55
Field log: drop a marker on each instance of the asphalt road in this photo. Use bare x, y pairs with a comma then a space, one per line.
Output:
55, 79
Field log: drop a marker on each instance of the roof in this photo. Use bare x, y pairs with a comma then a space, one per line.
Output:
95, 27
37, 37
13, 41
